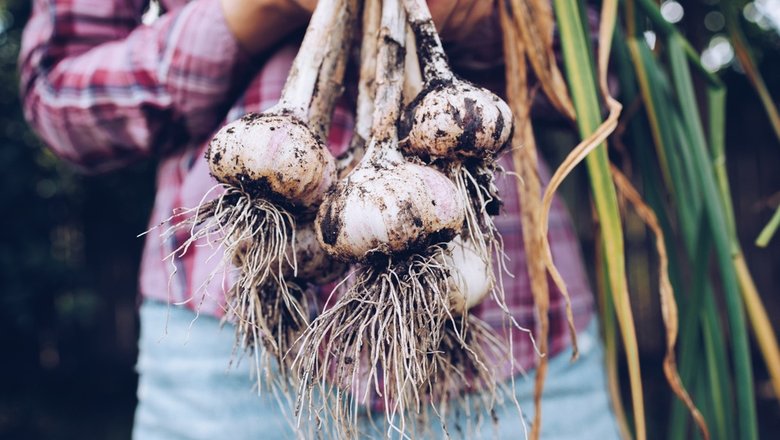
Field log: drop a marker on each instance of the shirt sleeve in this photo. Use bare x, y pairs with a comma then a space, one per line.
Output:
103, 90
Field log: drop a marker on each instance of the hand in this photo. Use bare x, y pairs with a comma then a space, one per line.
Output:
259, 24
455, 19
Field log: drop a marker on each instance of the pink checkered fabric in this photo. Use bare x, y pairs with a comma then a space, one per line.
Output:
104, 90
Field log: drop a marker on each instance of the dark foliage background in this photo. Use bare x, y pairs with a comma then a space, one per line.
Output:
68, 262
69, 258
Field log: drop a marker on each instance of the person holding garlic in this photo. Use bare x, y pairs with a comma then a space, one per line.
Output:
103, 90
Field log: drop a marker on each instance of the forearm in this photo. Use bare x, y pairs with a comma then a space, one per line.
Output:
259, 24
103, 90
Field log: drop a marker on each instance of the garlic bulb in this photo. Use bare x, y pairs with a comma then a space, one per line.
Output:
472, 278
451, 118
314, 264
388, 206
457, 120
459, 128
276, 155
273, 156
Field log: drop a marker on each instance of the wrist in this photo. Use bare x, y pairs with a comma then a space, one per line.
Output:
259, 24
293, 9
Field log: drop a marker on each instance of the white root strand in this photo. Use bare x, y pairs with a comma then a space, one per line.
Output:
251, 234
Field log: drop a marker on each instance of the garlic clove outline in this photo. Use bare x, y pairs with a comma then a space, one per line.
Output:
314, 264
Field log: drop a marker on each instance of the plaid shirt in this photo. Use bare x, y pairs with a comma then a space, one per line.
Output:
103, 89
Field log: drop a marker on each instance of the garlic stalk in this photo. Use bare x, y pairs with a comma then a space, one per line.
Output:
330, 78
413, 81
372, 11
275, 154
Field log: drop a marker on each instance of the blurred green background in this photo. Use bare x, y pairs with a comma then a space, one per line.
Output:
69, 253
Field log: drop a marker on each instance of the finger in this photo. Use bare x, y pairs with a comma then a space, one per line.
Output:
481, 14
471, 14
441, 11
460, 11
306, 5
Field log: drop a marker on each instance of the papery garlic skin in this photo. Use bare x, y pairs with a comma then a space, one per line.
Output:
388, 206
457, 120
472, 278
272, 156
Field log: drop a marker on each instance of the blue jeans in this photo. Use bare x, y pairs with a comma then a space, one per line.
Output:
187, 389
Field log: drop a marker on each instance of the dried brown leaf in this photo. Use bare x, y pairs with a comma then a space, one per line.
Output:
524, 158
533, 20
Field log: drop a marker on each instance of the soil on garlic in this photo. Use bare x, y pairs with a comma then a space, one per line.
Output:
294, 180
467, 117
